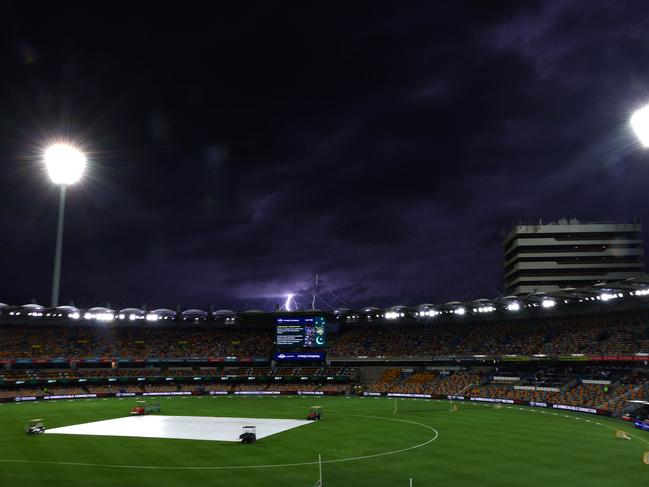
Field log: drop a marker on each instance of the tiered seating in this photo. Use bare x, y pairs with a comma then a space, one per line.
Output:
104, 389
218, 387
293, 387
250, 387
417, 383
4, 394
390, 375
456, 382
600, 334
136, 389
493, 390
35, 341
616, 333
334, 388
51, 391
585, 395
589, 395
161, 388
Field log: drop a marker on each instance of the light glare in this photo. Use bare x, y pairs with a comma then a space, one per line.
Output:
548, 303
640, 125
65, 163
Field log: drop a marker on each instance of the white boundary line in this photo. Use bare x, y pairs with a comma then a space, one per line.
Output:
531, 410
630, 434
241, 467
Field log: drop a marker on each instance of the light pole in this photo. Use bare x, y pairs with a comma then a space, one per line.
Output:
65, 164
640, 125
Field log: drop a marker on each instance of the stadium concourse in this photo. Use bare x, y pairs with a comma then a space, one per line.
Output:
588, 350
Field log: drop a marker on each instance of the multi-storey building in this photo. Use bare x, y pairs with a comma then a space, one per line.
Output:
570, 254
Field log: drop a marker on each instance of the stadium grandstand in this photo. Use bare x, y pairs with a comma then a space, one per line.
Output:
580, 348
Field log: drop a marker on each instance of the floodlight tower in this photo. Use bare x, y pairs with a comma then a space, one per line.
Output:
65, 164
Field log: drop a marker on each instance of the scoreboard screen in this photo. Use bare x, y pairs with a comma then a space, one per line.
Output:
302, 331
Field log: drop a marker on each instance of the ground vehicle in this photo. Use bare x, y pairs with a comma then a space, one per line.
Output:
35, 427
315, 413
249, 434
143, 408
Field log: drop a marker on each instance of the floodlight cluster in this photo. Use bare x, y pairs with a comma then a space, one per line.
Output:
428, 313
627, 289
130, 317
100, 316
548, 303
484, 309
393, 315
609, 296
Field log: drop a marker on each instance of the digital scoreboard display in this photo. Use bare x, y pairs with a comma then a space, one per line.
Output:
308, 332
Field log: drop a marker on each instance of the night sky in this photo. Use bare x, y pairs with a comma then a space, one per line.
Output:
237, 150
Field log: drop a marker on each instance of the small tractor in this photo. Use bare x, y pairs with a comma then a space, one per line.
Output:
143, 408
35, 427
315, 414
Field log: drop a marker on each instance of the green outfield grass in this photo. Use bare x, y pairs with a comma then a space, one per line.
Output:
478, 445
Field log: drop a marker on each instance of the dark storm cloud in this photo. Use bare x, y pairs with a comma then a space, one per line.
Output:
238, 151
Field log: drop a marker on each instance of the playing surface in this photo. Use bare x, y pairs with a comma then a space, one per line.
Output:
180, 427
361, 441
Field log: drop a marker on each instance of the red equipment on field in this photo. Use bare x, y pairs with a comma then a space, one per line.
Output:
137, 411
315, 414
143, 408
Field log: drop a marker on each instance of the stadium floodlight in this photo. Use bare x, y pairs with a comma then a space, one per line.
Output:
640, 125
460, 311
513, 307
548, 303
65, 165
484, 309
429, 313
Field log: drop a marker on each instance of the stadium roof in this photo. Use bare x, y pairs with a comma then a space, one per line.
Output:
624, 290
